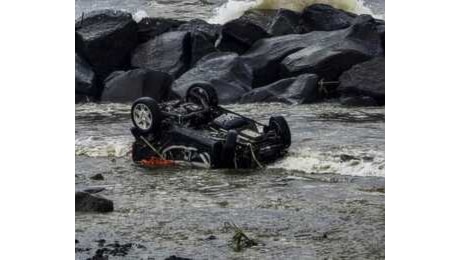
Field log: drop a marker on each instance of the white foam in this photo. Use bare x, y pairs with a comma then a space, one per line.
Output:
139, 15
309, 161
235, 8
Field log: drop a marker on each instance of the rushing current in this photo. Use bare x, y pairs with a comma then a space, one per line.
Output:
325, 199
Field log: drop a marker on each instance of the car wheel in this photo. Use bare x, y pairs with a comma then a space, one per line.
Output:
146, 115
202, 94
281, 127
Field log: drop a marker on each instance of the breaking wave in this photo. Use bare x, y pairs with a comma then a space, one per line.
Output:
235, 8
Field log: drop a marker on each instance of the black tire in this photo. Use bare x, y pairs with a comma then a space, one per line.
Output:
202, 94
143, 111
281, 127
228, 150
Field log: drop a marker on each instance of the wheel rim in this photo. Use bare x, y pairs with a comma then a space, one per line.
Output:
142, 117
198, 94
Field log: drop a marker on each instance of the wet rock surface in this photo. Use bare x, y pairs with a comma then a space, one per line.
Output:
127, 86
300, 90
226, 72
240, 34
275, 44
365, 80
105, 39
321, 17
167, 53
86, 202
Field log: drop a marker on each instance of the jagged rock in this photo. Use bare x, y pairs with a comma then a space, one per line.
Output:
128, 86
266, 55
105, 39
240, 34
226, 72
201, 45
300, 90
285, 22
330, 58
321, 17
197, 25
85, 78
365, 79
85, 202
151, 27
97, 177
168, 53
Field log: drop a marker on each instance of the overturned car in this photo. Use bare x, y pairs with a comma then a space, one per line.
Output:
197, 131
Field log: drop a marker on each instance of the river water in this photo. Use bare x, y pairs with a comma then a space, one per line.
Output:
324, 200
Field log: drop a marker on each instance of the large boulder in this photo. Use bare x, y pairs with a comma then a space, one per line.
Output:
366, 79
240, 34
151, 27
330, 58
203, 38
85, 78
266, 55
105, 39
226, 72
85, 202
168, 52
321, 17
300, 90
197, 25
128, 86
286, 22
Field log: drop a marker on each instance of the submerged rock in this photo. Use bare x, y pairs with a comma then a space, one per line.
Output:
365, 79
167, 52
330, 58
128, 86
85, 78
151, 27
300, 90
85, 202
97, 177
321, 17
357, 101
240, 34
226, 72
105, 39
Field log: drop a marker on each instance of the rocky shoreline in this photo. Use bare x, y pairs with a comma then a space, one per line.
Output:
264, 56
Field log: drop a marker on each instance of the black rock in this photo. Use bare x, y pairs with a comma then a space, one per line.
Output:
316, 52
85, 79
365, 79
97, 177
105, 39
203, 38
300, 90
168, 53
330, 58
128, 86
173, 257
240, 34
94, 190
85, 202
151, 27
212, 31
83, 98
321, 17
226, 72
285, 22
201, 45
358, 101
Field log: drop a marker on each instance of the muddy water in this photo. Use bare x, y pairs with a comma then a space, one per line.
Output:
325, 199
